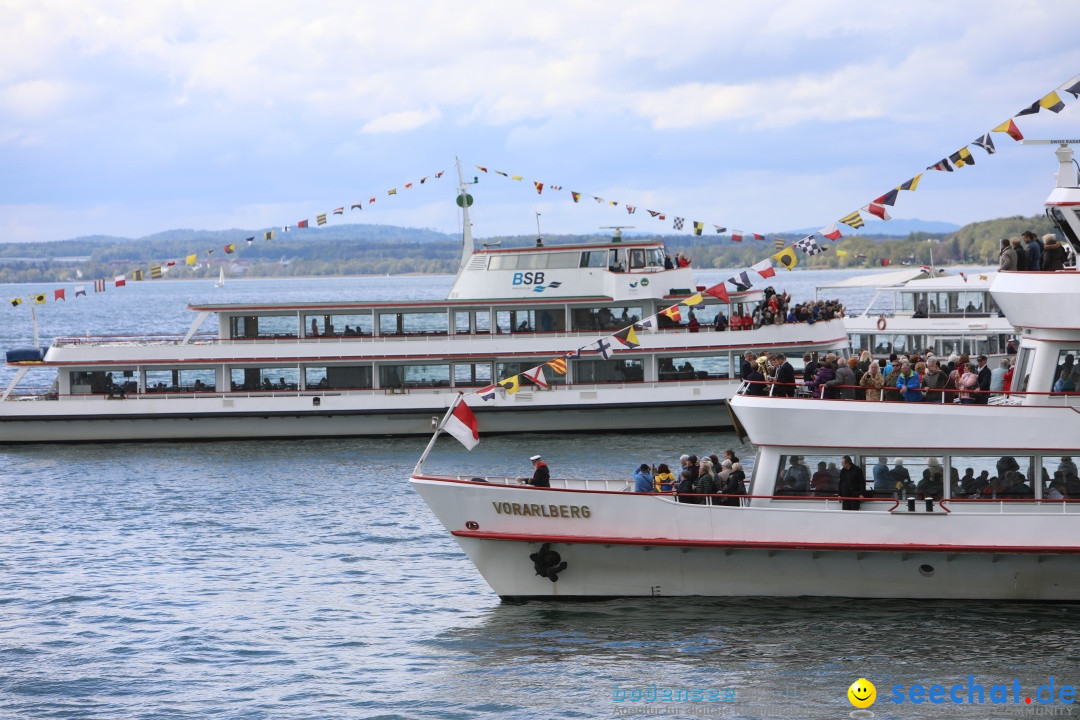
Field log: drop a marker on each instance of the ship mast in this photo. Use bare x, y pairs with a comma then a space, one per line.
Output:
464, 200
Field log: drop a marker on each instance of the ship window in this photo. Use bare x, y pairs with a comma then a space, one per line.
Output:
418, 323
815, 475
586, 319
654, 258
1059, 477
472, 374
1021, 370
259, 379
264, 326
317, 325
991, 476
181, 380
1066, 372
906, 475
693, 368
608, 371
533, 261
338, 377
594, 258
637, 259
391, 376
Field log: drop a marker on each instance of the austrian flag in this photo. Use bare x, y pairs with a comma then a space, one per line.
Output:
461, 423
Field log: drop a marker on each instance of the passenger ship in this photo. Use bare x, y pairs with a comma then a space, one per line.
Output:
392, 368
920, 309
1016, 538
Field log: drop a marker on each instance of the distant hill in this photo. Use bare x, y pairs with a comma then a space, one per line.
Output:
893, 228
380, 249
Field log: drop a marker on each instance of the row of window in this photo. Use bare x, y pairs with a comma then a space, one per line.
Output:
476, 374
969, 476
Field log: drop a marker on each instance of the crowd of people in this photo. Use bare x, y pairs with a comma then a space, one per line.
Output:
1028, 253
777, 309
699, 480
901, 378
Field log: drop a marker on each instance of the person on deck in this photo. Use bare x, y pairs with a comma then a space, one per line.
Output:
852, 484
541, 474
643, 479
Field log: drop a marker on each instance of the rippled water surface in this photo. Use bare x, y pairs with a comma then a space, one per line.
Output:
306, 580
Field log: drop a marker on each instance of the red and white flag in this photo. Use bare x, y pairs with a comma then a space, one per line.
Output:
461, 423
764, 269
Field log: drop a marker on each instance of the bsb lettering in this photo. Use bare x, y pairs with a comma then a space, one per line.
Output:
528, 278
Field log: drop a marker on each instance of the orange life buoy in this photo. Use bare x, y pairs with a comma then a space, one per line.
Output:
881, 323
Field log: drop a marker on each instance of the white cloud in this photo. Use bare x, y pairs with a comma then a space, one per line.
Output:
402, 121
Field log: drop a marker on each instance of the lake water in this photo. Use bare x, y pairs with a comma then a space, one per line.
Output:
284, 580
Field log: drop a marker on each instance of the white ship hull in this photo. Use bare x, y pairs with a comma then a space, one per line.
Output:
95, 419
679, 549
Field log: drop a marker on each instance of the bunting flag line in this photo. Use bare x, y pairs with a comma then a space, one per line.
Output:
58, 294
672, 313
627, 337
99, 286
1009, 127
230, 249
536, 376
910, 184
558, 365
1029, 110
699, 227
1072, 87
575, 195
678, 223
694, 299
808, 245
119, 281
741, 281
962, 157
539, 187
736, 235
511, 385
16, 302
603, 347
719, 292
787, 258
832, 232
341, 210
842, 253
647, 324
853, 220
320, 219
268, 235
191, 259
942, 164
878, 210
720, 229
487, 393
80, 290
764, 269
986, 143
888, 198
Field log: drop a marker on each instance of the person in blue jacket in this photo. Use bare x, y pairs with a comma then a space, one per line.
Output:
643, 479
909, 384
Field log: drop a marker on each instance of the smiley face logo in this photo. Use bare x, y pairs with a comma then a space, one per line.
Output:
862, 693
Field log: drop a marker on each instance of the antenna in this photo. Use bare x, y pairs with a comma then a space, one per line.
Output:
617, 235
539, 236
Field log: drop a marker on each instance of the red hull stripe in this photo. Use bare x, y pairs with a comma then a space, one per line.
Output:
742, 545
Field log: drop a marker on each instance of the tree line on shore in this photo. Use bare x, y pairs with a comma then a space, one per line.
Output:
381, 249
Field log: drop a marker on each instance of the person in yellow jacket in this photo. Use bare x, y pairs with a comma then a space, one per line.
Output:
663, 479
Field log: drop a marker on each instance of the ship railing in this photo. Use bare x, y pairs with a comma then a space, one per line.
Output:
135, 340
943, 396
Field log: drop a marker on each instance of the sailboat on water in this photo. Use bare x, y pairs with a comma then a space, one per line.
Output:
221, 279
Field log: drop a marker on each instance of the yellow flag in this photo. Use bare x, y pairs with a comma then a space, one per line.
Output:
841, 253
786, 257
693, 300
1052, 102
39, 299
192, 259
511, 385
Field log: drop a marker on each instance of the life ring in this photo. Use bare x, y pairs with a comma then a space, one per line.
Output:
881, 323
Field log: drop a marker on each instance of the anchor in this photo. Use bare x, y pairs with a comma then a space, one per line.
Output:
548, 563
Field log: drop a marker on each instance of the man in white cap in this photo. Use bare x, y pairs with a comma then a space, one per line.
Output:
541, 475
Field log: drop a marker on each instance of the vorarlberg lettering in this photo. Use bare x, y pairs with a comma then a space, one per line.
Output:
997, 694
580, 512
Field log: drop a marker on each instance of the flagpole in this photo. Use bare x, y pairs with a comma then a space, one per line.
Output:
438, 429
33, 321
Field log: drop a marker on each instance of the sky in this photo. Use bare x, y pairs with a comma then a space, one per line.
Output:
129, 118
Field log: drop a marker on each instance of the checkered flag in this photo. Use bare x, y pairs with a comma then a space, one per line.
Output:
809, 246
678, 223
